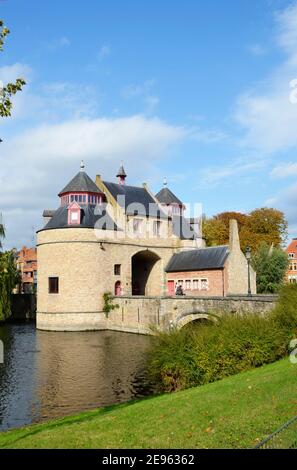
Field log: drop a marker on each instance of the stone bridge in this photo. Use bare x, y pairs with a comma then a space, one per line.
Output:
139, 314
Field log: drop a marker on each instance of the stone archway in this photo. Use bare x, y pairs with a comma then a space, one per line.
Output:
186, 318
146, 273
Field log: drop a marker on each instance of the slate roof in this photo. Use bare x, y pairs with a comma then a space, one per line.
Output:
165, 196
88, 219
198, 260
81, 183
139, 200
121, 171
48, 212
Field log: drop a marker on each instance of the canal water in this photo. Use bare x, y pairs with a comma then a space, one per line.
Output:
47, 375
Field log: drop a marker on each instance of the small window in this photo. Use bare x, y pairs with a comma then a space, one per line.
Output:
53, 285
117, 269
137, 226
195, 284
291, 255
74, 216
157, 228
180, 283
188, 284
204, 284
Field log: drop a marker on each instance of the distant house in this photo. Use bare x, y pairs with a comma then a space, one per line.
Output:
26, 261
291, 274
213, 271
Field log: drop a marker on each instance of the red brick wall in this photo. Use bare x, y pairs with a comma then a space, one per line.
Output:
292, 270
217, 286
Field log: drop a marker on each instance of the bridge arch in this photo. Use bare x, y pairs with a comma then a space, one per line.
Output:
146, 270
191, 317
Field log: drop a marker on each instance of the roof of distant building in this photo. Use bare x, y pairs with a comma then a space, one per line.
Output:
165, 196
90, 218
135, 200
81, 183
198, 259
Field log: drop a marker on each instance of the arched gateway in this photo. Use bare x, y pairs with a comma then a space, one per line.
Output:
146, 273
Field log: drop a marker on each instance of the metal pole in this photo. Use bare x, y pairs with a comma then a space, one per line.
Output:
249, 278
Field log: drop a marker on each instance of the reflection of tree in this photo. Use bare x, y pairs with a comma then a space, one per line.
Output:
6, 335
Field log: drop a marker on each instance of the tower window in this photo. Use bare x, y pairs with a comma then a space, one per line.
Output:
53, 285
117, 269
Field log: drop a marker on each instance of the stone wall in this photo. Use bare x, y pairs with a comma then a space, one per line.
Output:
144, 314
23, 307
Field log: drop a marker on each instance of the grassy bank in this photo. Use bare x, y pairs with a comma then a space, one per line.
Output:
235, 412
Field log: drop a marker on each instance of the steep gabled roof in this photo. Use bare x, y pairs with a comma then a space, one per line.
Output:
121, 171
134, 196
81, 183
198, 260
165, 196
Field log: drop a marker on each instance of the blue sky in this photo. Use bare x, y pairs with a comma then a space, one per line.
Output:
195, 91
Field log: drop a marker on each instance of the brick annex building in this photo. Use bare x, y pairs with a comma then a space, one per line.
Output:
291, 251
112, 237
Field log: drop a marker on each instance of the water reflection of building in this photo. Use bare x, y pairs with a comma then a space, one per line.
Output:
80, 371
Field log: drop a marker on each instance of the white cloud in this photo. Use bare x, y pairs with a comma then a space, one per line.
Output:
284, 171
266, 112
286, 200
9, 73
212, 176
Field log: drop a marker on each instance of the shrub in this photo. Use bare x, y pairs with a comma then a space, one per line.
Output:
285, 312
201, 354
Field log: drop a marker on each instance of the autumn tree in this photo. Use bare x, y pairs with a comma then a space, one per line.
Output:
10, 89
263, 225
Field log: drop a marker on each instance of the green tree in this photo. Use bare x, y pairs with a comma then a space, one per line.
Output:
9, 278
10, 89
270, 265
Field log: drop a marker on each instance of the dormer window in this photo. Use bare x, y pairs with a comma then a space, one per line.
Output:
74, 214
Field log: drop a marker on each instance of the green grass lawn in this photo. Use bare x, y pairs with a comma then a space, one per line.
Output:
236, 412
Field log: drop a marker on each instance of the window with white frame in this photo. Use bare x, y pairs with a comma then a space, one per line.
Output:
157, 228
188, 284
74, 217
204, 284
291, 255
195, 284
180, 283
